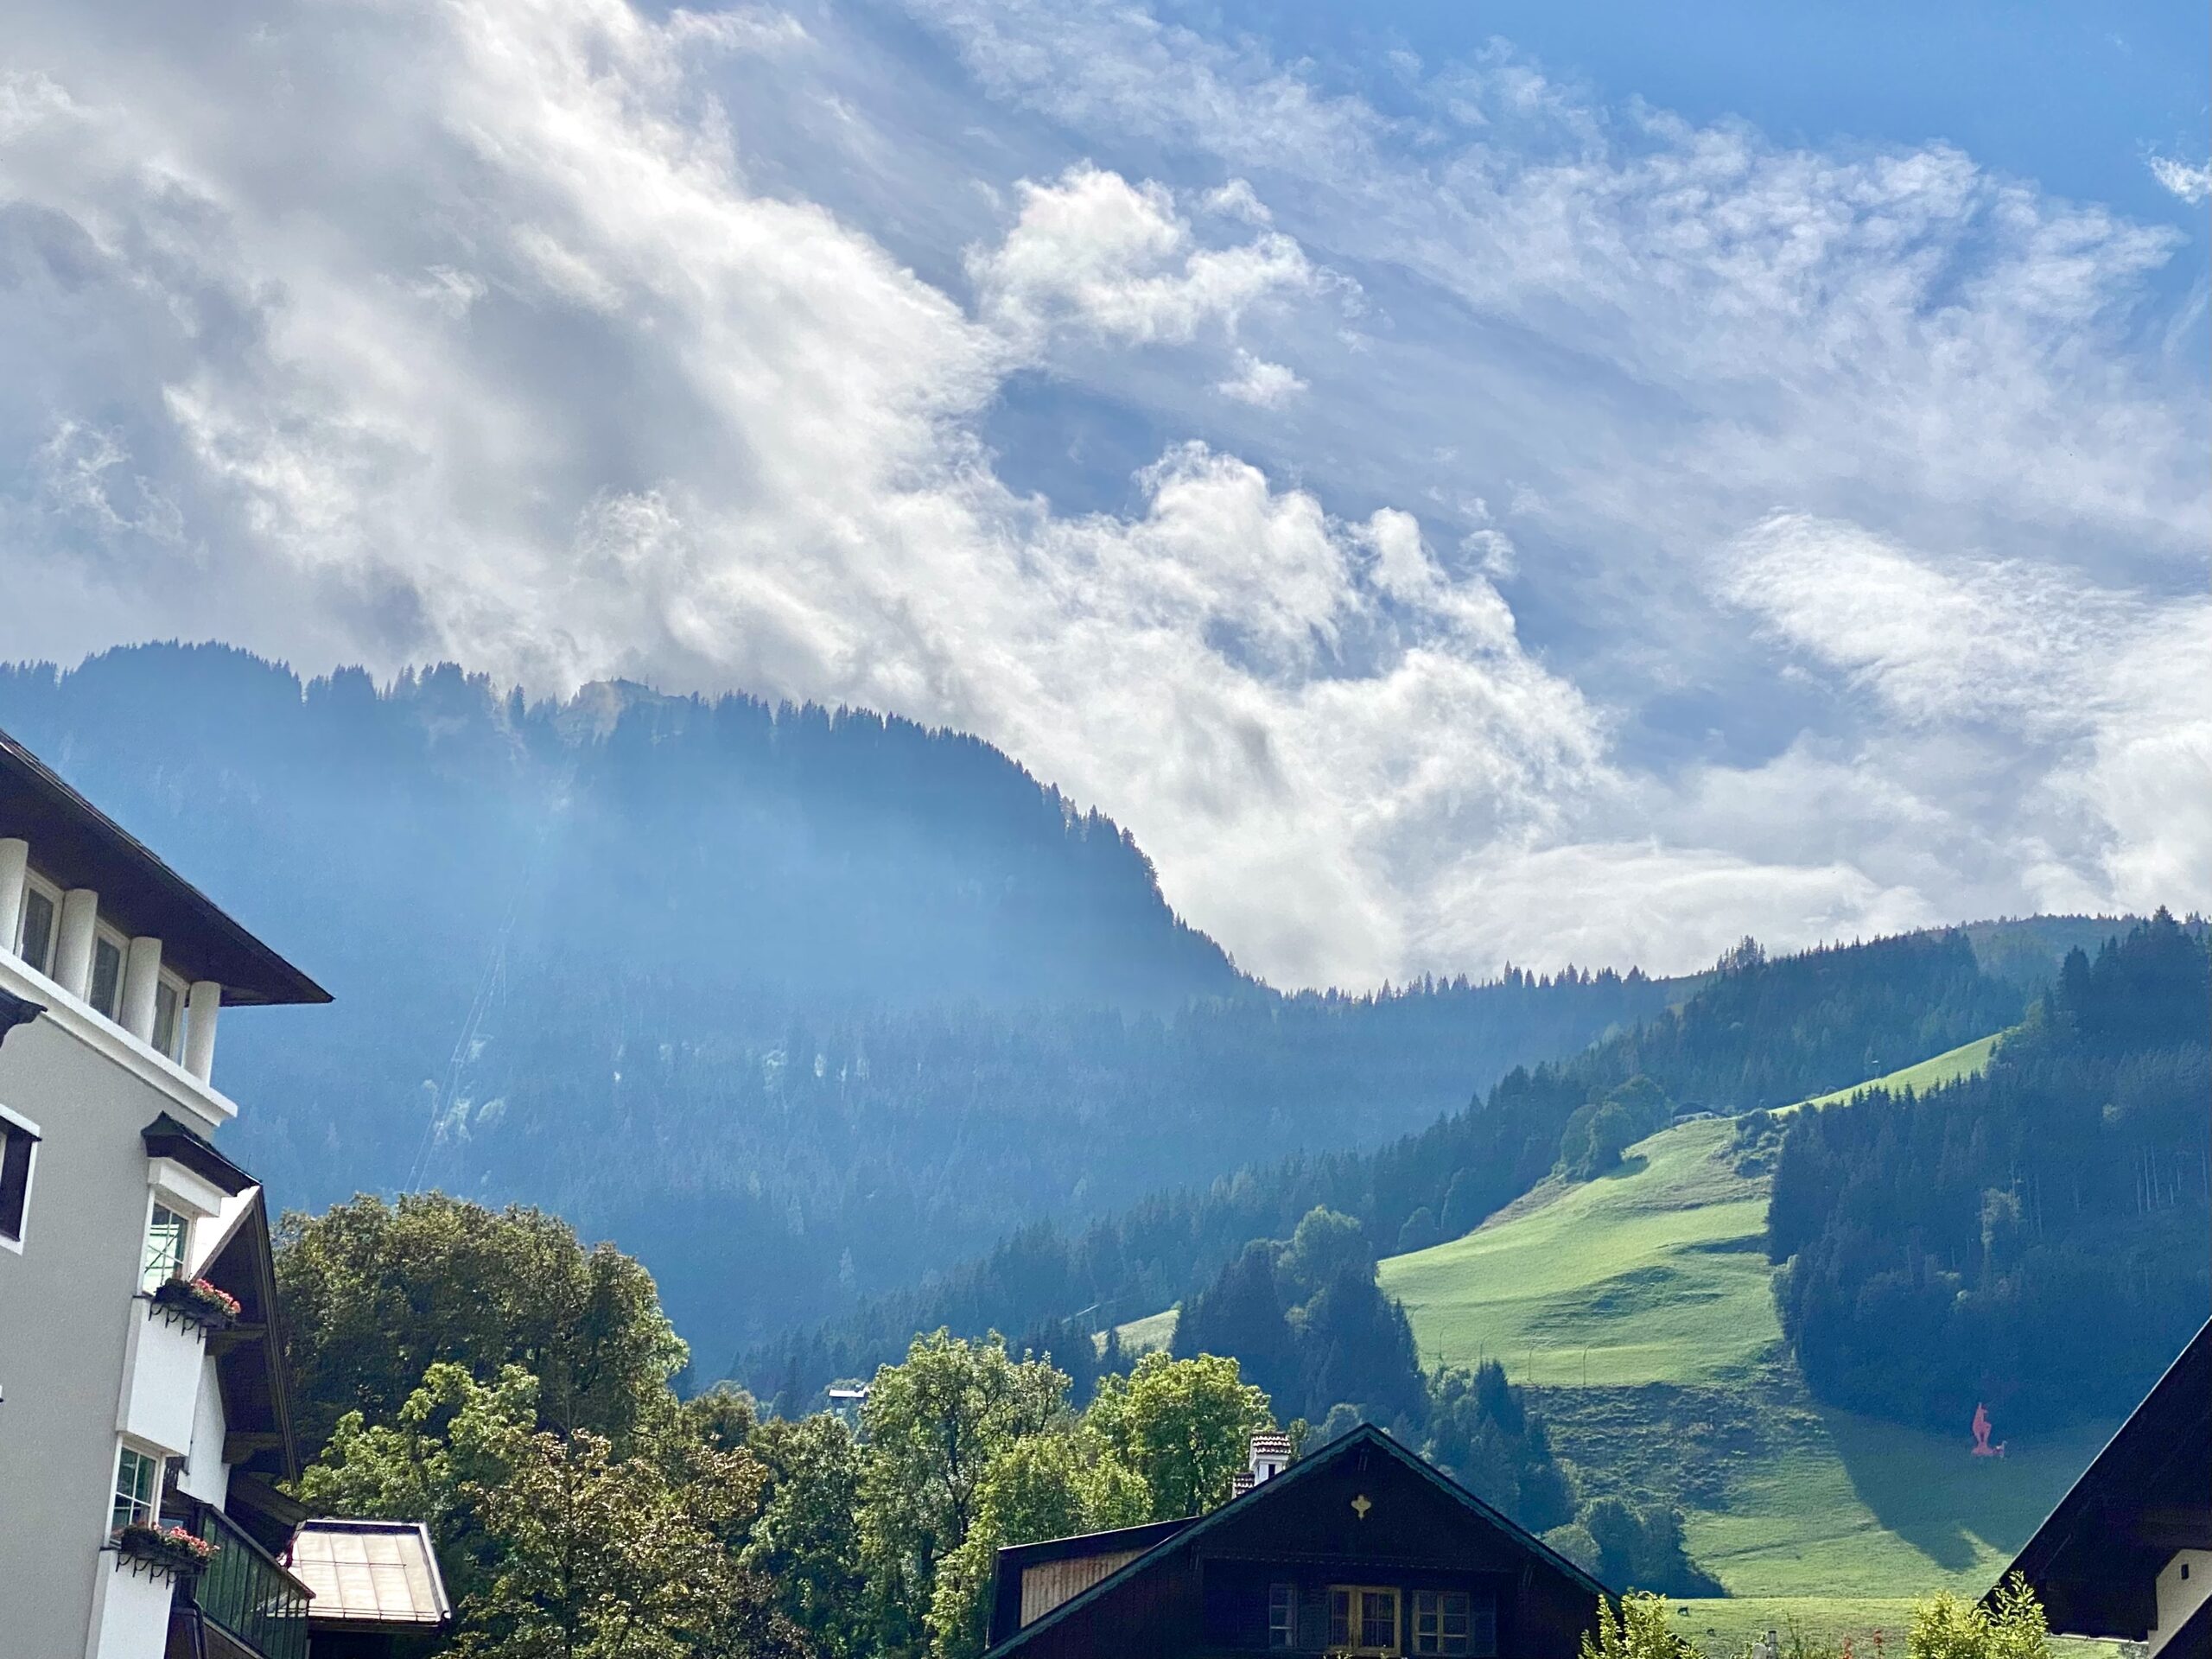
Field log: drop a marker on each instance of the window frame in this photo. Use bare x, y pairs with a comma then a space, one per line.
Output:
158, 1200
1356, 1621
1282, 1617
16, 1130
1431, 1606
176, 985
34, 883
108, 934
155, 1461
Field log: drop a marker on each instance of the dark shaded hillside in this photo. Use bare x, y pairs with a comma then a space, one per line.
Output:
1755, 1032
798, 1005
1955, 1247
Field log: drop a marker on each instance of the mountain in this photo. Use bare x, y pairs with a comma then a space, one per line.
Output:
1755, 1032
797, 1004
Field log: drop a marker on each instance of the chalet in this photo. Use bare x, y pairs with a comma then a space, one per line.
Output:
144, 1424
1361, 1548
2127, 1553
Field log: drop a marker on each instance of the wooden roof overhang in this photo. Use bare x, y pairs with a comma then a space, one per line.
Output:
80, 846
2094, 1561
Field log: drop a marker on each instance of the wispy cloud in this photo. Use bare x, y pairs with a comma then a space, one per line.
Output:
1853, 514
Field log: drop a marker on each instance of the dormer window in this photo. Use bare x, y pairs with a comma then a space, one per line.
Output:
166, 1235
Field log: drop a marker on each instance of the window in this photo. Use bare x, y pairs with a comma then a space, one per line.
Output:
1362, 1618
107, 973
34, 940
138, 1489
168, 1015
18, 1145
1455, 1621
1282, 1616
165, 1235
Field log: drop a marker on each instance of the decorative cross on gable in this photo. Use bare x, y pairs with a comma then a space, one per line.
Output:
1360, 1506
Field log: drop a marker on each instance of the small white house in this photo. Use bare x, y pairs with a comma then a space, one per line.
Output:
141, 1380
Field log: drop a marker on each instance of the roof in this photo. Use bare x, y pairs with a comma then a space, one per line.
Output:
1188, 1532
370, 1574
167, 1138
81, 846
2147, 1495
249, 1353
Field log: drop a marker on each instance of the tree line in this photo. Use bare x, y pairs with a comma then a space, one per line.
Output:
1756, 1031
483, 1372
799, 1003
2035, 1237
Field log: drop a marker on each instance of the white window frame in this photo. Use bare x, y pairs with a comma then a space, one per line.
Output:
157, 1199
33, 882
105, 934
178, 986
1355, 1622
125, 1444
15, 1245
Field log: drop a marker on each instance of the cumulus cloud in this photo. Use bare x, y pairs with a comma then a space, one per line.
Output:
2192, 184
1260, 382
515, 331
1093, 251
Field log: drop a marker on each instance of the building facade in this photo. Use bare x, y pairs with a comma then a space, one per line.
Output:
1362, 1549
141, 1385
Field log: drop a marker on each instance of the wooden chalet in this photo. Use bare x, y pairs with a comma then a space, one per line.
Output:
2127, 1553
1361, 1548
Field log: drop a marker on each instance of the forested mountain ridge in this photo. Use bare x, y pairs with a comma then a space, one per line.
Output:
1930, 1243
1755, 1032
796, 1004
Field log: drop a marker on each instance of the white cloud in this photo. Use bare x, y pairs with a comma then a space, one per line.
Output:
2192, 184
1260, 382
1094, 252
516, 331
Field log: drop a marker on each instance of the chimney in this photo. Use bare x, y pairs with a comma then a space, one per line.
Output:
1270, 1456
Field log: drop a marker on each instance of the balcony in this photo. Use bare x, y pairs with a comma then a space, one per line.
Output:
247, 1594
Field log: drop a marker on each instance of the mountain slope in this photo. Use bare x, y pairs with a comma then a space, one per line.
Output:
796, 1004
1754, 1031
1638, 1311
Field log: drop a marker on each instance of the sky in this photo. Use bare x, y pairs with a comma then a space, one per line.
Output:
1462, 483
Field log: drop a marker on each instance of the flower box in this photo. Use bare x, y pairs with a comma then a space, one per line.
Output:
167, 1549
196, 1301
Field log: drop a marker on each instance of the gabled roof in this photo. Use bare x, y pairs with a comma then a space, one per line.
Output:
2146, 1495
250, 1354
1269, 1490
81, 846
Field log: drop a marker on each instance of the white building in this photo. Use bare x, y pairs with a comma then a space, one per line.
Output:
128, 1396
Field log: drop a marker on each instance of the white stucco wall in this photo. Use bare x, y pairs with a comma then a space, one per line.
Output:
130, 1614
206, 1476
2183, 1585
162, 1360
67, 1313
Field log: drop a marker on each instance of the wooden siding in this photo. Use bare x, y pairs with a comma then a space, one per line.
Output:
1046, 1586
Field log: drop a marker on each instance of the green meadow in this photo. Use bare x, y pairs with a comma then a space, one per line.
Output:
1637, 1308
1948, 1067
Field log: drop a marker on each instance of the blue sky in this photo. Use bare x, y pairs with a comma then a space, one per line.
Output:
1462, 484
